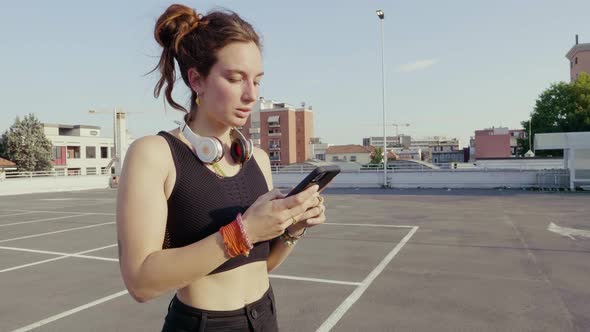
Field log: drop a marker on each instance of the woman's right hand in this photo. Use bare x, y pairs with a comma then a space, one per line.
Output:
271, 213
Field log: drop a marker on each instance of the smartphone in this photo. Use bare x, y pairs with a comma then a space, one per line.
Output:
321, 176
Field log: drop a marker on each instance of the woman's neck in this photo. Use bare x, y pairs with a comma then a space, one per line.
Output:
207, 127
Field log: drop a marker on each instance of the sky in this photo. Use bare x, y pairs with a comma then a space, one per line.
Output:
451, 67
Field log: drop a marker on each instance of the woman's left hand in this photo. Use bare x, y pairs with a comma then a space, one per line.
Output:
312, 217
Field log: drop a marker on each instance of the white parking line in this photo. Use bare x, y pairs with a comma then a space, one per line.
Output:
69, 312
63, 255
39, 211
356, 294
79, 199
16, 214
48, 233
326, 326
338, 282
367, 225
40, 220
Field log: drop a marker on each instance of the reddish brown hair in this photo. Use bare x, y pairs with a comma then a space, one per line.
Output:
193, 41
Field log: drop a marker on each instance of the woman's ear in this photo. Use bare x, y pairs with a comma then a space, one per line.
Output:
195, 80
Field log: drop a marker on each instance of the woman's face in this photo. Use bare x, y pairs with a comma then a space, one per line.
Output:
230, 90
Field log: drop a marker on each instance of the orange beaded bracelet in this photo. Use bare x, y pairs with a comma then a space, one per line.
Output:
235, 238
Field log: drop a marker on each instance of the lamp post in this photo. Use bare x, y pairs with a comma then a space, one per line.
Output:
114, 154
119, 137
381, 16
530, 153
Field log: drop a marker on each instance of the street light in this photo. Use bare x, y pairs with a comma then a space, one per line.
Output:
381, 16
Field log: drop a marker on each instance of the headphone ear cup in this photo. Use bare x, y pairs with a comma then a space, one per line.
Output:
209, 149
250, 150
238, 150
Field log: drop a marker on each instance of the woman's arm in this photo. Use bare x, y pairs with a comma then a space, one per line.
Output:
147, 270
279, 251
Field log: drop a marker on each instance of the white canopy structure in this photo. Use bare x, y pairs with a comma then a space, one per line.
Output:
576, 153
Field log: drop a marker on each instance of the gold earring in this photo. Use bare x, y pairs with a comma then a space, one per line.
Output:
198, 100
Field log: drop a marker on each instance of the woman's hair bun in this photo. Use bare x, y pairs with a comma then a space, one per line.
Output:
177, 21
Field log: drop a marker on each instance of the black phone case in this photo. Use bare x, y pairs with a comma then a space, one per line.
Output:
321, 175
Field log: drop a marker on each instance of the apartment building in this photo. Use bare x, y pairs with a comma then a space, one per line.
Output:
351, 152
579, 57
392, 141
497, 142
317, 149
79, 149
282, 130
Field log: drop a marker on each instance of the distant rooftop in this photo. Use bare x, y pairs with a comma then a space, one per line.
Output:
577, 48
6, 163
350, 148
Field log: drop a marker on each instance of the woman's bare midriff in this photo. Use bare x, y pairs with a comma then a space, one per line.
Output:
227, 290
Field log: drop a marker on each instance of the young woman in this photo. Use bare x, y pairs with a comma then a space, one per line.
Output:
210, 228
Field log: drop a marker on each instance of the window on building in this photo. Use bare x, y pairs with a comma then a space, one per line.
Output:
576, 60
273, 121
73, 152
320, 156
334, 158
344, 158
104, 152
56, 152
91, 152
352, 158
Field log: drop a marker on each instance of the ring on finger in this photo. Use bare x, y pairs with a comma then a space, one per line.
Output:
293, 220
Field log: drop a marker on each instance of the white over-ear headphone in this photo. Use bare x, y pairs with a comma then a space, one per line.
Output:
209, 150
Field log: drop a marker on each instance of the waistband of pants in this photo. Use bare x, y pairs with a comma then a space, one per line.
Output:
177, 305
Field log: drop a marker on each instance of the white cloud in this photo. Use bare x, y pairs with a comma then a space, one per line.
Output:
417, 65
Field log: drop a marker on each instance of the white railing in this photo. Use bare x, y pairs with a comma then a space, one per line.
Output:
55, 173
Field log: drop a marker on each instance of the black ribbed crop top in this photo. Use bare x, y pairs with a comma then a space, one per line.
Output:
202, 202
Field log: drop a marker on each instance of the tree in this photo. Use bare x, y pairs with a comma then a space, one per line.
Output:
25, 144
377, 156
3, 148
562, 107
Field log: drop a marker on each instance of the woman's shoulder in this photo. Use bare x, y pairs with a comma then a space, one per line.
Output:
149, 149
263, 161
261, 158
149, 142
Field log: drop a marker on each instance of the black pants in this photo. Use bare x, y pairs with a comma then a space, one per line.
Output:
256, 316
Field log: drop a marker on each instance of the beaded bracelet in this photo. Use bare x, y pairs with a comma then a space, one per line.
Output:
234, 240
243, 230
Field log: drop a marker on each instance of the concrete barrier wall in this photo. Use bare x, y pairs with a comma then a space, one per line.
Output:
368, 179
466, 179
19, 186
343, 180
439, 179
